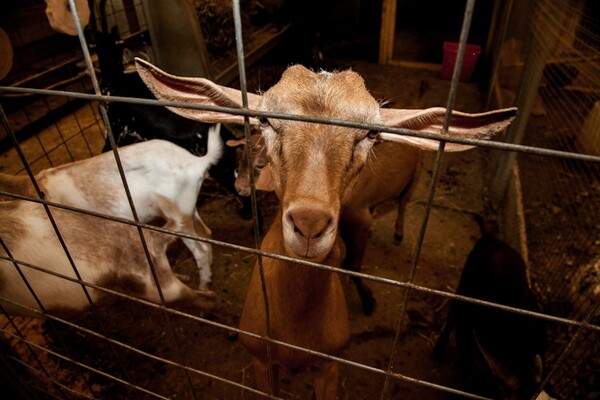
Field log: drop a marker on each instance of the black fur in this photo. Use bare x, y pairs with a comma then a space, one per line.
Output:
497, 349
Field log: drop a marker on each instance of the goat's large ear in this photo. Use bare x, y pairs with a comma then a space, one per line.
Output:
462, 125
195, 91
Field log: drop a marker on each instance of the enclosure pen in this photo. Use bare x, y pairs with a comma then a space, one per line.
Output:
563, 267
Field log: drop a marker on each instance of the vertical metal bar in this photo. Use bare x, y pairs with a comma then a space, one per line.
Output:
244, 87
41, 195
96, 86
504, 21
468, 15
33, 354
39, 303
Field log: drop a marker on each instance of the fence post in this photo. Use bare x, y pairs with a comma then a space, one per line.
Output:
540, 49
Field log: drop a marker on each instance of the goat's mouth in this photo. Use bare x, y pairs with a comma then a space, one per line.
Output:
315, 250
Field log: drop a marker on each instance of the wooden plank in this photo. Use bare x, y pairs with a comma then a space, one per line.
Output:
417, 65
388, 30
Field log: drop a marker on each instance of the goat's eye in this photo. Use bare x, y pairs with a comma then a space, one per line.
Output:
264, 121
372, 134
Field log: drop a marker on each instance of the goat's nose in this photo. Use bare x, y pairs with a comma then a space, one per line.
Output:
242, 190
310, 223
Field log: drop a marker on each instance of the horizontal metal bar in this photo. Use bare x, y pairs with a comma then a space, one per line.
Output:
270, 340
404, 285
328, 121
72, 391
82, 365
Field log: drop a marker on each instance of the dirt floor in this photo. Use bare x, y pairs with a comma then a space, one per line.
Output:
214, 349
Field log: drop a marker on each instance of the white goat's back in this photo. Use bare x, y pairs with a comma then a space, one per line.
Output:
155, 168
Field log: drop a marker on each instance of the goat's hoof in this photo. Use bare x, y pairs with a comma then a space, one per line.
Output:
398, 239
183, 278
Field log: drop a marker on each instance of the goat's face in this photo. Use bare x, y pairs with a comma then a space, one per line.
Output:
259, 161
314, 166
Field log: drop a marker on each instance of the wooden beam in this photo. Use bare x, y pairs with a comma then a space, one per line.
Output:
416, 65
388, 31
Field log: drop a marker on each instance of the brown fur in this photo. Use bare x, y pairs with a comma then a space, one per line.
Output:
123, 282
18, 184
391, 171
313, 168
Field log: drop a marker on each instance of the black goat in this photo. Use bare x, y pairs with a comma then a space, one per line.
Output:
499, 352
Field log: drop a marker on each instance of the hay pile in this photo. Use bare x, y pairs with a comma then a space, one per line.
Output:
216, 22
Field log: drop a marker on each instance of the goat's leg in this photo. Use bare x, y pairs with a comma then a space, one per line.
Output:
173, 290
354, 228
325, 380
441, 345
176, 292
200, 227
261, 377
403, 199
201, 251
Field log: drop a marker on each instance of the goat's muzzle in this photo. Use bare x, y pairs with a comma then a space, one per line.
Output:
309, 232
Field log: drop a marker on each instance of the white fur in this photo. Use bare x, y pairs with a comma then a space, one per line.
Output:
105, 253
154, 169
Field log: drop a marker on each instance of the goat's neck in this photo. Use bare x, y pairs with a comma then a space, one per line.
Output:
303, 287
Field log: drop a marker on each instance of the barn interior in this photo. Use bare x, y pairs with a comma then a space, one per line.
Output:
540, 56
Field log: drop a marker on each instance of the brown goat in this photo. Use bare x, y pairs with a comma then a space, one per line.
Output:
259, 161
391, 172
314, 168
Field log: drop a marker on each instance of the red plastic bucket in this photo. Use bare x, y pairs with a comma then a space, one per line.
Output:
469, 61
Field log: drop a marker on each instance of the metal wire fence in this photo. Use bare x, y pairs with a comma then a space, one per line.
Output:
579, 325
556, 59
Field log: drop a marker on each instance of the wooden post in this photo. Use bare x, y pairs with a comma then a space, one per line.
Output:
388, 30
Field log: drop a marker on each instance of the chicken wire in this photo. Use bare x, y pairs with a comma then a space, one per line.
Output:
555, 59
573, 323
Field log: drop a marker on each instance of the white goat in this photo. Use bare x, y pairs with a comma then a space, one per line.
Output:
106, 253
153, 169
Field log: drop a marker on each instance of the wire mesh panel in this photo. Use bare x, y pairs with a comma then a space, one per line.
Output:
132, 341
43, 58
559, 66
